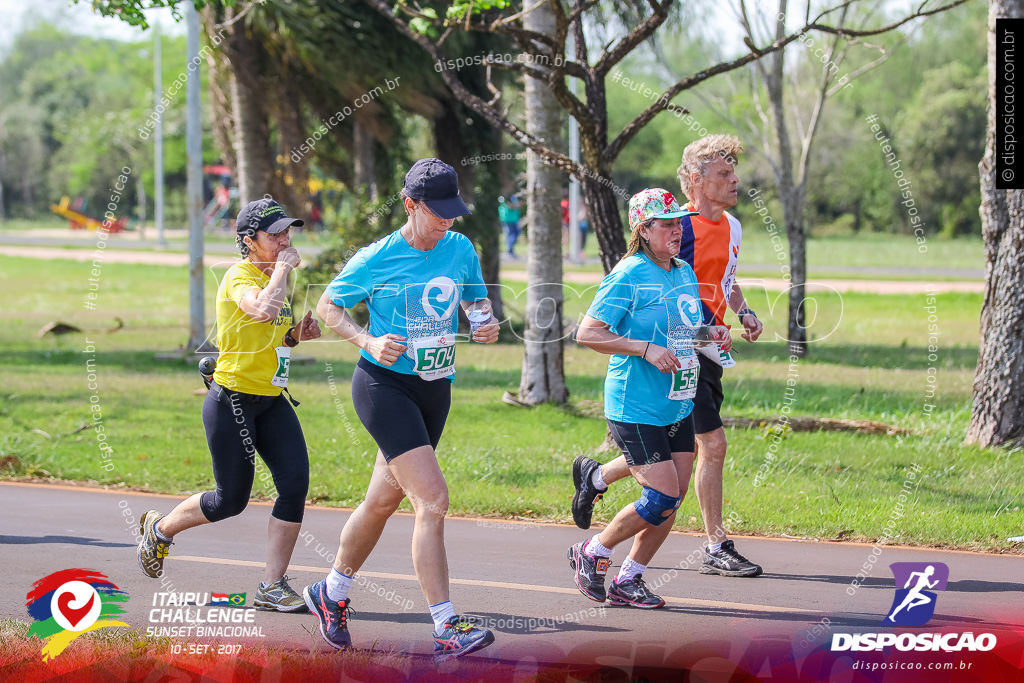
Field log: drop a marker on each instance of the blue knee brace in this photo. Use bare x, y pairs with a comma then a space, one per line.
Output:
653, 505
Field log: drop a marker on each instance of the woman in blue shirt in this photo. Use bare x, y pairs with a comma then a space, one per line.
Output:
412, 282
646, 314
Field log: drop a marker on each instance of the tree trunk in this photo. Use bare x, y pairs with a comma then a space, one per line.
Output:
363, 161
793, 215
140, 197
248, 102
543, 377
293, 185
27, 196
3, 172
791, 196
997, 416
605, 221
221, 76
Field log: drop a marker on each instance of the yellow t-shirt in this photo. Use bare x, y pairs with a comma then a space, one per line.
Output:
248, 358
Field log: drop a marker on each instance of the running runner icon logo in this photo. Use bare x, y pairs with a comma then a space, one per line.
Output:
914, 603
71, 602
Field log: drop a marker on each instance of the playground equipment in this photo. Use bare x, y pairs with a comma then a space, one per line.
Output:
79, 221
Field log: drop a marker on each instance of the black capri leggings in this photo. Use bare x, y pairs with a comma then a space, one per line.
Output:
237, 427
401, 412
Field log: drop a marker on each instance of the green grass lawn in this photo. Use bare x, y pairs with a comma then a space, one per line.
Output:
869, 361
848, 250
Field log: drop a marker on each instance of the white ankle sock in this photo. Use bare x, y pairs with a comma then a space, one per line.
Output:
159, 534
338, 585
714, 547
598, 481
595, 548
441, 613
630, 569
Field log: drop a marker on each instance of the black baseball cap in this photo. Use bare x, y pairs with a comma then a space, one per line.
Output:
437, 185
266, 215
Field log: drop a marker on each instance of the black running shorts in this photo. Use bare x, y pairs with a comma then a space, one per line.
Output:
401, 412
707, 404
648, 444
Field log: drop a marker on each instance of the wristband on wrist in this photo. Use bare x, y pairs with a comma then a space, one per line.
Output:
745, 311
644, 354
289, 340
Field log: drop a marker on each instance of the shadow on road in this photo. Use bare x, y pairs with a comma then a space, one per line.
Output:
976, 586
517, 624
72, 540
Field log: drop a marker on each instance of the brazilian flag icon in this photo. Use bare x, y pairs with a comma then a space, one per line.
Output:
237, 599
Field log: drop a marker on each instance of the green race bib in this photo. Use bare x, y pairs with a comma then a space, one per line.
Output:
684, 380
284, 360
434, 357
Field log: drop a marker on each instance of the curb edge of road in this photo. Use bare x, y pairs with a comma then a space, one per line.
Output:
69, 486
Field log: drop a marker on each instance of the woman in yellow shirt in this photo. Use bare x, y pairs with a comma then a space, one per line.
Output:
245, 412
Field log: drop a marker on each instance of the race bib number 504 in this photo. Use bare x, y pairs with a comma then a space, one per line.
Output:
434, 358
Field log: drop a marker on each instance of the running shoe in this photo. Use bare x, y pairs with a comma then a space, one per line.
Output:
586, 493
152, 549
333, 616
590, 572
634, 593
728, 562
459, 637
279, 596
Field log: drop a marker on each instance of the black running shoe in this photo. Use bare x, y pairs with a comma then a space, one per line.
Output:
590, 572
333, 616
728, 562
586, 493
635, 593
459, 637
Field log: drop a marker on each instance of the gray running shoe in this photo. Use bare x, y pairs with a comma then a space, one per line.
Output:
634, 593
152, 550
728, 562
586, 493
590, 572
279, 597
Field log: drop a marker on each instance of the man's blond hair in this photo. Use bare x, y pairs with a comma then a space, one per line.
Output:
699, 153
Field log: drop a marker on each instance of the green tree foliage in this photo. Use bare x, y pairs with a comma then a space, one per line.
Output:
70, 117
942, 135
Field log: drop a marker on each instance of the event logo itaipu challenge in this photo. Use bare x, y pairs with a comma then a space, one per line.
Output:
71, 602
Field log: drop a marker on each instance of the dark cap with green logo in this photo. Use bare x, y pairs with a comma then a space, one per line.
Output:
264, 214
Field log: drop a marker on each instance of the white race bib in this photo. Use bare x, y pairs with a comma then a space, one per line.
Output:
715, 354
433, 357
684, 380
284, 360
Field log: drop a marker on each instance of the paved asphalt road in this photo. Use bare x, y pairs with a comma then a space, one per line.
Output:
511, 576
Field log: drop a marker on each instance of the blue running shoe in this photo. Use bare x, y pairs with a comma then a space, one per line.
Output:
333, 616
459, 637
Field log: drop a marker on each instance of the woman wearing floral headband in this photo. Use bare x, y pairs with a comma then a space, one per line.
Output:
647, 316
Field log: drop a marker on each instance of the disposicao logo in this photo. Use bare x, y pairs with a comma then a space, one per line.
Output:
914, 605
71, 602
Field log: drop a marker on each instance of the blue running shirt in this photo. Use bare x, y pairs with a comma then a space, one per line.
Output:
410, 292
640, 300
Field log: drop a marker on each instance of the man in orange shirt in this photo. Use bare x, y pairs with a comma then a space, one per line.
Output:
711, 245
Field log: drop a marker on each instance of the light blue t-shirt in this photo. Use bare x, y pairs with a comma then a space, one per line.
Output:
410, 292
640, 300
